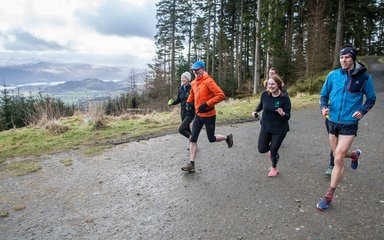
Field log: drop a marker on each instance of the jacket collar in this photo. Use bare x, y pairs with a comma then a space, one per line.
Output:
358, 69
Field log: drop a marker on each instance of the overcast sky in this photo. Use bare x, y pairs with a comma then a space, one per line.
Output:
103, 32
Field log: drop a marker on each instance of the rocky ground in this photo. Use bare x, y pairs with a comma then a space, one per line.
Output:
137, 190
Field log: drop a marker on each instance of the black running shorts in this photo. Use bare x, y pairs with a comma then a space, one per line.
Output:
342, 129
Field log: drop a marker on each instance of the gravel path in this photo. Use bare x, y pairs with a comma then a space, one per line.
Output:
137, 190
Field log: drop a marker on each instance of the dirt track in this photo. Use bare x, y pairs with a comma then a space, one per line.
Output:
137, 190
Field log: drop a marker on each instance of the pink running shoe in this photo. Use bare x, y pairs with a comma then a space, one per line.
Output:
273, 172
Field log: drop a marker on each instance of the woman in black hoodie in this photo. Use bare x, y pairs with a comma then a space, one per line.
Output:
276, 106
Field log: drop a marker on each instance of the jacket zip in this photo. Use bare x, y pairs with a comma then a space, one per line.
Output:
343, 97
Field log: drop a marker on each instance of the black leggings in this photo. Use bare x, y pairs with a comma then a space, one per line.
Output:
184, 128
331, 157
271, 142
198, 123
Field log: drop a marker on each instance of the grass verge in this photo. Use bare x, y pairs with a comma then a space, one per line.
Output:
18, 168
35, 141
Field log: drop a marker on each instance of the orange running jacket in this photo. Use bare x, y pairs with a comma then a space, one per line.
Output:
205, 90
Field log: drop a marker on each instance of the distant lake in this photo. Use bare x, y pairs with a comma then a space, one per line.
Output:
34, 85
44, 84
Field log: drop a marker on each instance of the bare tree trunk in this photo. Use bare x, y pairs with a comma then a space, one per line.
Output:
256, 74
317, 38
214, 39
289, 30
380, 34
209, 33
173, 52
190, 40
165, 75
268, 58
240, 46
233, 49
173, 65
339, 33
221, 55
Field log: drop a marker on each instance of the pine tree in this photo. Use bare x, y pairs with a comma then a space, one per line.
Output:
5, 109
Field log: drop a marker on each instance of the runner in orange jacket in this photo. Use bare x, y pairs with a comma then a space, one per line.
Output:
204, 94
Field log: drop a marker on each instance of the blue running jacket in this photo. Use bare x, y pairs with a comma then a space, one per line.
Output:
343, 93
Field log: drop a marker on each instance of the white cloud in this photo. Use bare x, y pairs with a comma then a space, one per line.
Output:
116, 17
106, 32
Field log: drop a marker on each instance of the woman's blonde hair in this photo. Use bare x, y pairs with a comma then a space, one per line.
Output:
278, 80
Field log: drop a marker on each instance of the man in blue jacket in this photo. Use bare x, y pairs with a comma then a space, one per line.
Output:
341, 99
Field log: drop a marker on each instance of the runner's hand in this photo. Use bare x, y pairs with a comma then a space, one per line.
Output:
170, 102
188, 106
280, 111
324, 112
256, 115
202, 107
357, 115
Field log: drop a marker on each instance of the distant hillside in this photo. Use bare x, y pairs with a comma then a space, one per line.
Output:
46, 72
80, 91
71, 82
84, 85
